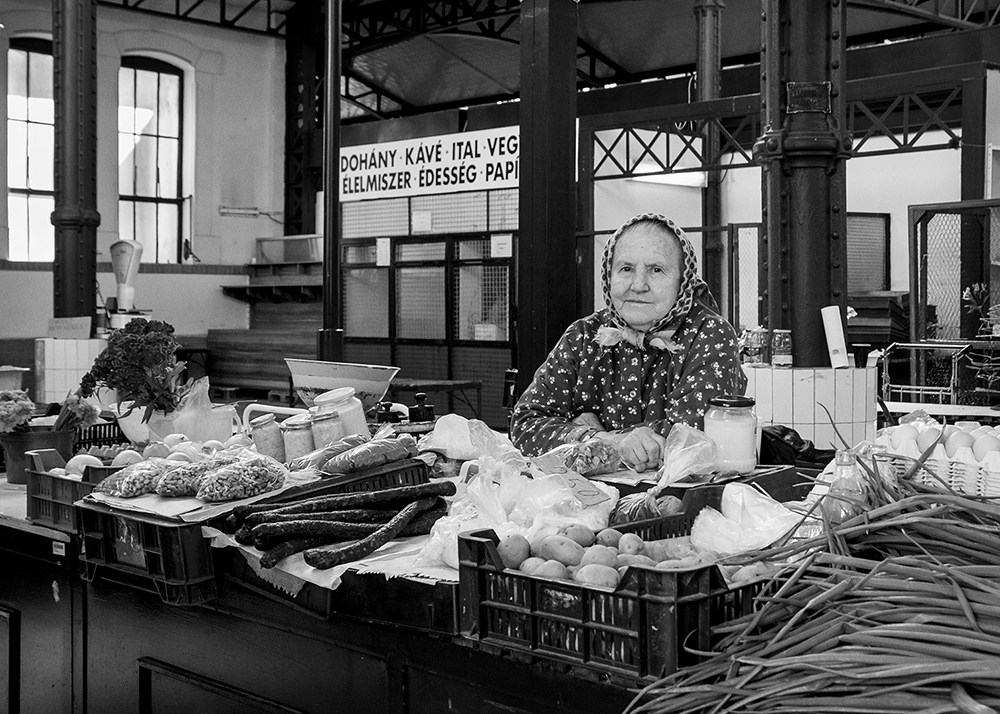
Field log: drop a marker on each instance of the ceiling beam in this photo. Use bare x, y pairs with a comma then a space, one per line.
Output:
948, 14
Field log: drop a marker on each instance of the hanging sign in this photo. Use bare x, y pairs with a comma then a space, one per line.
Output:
470, 161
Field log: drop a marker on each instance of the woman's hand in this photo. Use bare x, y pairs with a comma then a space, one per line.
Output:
640, 449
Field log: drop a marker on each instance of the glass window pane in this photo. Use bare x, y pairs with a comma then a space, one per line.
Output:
17, 214
166, 238
126, 168
145, 230
170, 105
17, 84
146, 86
41, 145
167, 162
126, 100
366, 302
420, 303
126, 220
40, 106
357, 254
420, 251
41, 238
481, 302
17, 155
145, 166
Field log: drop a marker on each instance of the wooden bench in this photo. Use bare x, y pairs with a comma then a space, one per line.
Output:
255, 359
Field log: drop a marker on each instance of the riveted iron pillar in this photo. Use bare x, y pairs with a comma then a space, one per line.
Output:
802, 152
330, 340
546, 256
75, 218
708, 69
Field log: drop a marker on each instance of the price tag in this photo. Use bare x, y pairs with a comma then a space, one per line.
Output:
70, 328
502, 245
585, 491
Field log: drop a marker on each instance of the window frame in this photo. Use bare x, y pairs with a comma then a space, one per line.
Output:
151, 64
887, 243
31, 45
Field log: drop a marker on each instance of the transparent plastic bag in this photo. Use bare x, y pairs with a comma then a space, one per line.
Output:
749, 520
587, 458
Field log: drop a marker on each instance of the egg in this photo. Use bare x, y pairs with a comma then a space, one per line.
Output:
902, 433
126, 457
967, 425
985, 444
175, 439
958, 440
980, 430
927, 437
78, 463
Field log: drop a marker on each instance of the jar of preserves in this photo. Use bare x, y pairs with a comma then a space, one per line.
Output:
347, 406
267, 437
326, 429
731, 423
781, 348
298, 438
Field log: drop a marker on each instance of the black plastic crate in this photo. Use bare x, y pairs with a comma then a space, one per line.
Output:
102, 434
372, 597
50, 497
192, 593
174, 555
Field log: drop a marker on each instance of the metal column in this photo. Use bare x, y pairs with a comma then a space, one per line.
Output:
546, 245
75, 218
330, 339
802, 153
708, 68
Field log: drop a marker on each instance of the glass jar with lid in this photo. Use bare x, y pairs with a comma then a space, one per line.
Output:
326, 429
267, 437
347, 406
297, 434
781, 348
731, 423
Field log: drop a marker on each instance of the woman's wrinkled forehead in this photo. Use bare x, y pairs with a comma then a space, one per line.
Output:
667, 241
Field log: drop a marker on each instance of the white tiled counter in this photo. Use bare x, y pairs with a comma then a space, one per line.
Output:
796, 397
61, 363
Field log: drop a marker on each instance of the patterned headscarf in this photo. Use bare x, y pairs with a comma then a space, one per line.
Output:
692, 288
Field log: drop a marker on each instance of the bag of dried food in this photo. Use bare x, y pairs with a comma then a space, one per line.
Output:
371, 454
250, 476
587, 458
186, 478
135, 479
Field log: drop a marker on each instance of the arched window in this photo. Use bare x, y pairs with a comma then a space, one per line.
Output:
150, 118
30, 142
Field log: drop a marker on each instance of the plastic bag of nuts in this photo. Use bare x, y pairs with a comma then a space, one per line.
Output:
135, 479
186, 478
246, 477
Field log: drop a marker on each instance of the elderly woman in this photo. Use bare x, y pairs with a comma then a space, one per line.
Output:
650, 359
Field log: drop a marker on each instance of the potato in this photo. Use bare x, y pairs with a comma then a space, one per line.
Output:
600, 554
530, 565
624, 559
536, 544
552, 569
513, 550
609, 536
630, 544
580, 533
561, 548
669, 549
597, 574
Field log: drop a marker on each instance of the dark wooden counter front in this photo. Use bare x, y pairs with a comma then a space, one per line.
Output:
104, 646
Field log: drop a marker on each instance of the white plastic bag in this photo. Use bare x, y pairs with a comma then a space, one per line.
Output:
749, 520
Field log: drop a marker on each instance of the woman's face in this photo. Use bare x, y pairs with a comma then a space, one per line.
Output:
645, 275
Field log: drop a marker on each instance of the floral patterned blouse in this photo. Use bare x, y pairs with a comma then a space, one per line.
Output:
626, 386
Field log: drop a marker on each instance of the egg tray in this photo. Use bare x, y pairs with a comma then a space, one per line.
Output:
961, 471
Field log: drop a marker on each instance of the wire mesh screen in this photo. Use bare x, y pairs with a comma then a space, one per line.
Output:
381, 217
367, 353
488, 366
481, 302
420, 303
745, 276
360, 254
449, 213
418, 252
994, 284
944, 291
867, 249
366, 302
503, 210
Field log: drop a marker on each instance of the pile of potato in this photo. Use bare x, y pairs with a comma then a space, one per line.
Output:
577, 553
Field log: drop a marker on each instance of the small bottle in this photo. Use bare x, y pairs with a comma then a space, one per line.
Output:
326, 429
781, 348
266, 437
731, 423
343, 401
844, 498
297, 434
